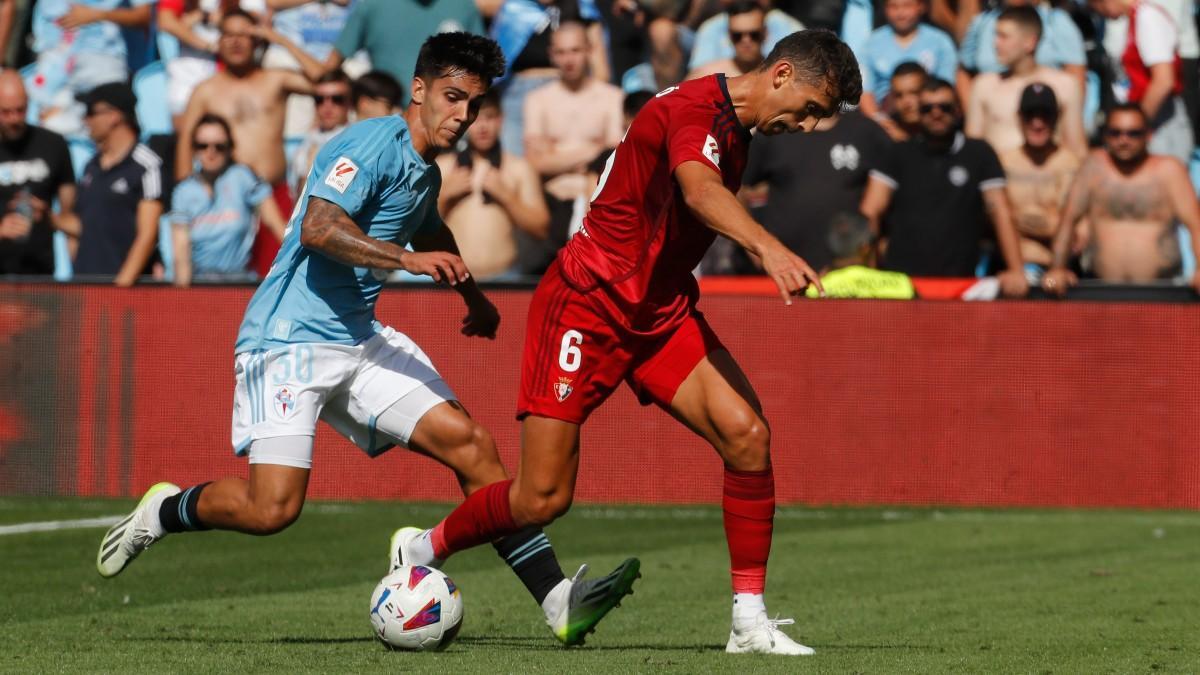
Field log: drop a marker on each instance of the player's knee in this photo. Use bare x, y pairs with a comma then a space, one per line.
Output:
748, 444
274, 517
541, 509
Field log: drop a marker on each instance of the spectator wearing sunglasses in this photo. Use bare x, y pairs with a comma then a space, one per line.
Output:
747, 32
1132, 200
331, 97
931, 199
713, 43
904, 38
213, 211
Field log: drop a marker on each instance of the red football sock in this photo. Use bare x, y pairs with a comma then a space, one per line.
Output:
483, 517
749, 505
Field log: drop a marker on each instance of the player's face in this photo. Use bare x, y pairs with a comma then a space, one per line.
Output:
906, 97
1126, 136
212, 147
747, 32
1012, 43
903, 15
486, 130
1038, 131
449, 105
793, 105
236, 46
939, 112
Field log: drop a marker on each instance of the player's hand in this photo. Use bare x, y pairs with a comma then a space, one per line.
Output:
443, 267
1057, 281
80, 15
1013, 283
789, 272
482, 318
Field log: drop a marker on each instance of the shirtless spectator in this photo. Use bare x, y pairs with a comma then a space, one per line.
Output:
488, 195
1039, 175
992, 112
1132, 200
747, 32
251, 98
1155, 71
902, 120
568, 123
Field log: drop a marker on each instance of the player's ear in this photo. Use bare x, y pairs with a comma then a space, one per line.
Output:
418, 90
782, 73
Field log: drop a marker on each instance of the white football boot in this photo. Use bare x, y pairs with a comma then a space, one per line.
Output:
761, 635
403, 550
127, 539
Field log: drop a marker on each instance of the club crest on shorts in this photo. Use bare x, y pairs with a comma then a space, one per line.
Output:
563, 388
285, 402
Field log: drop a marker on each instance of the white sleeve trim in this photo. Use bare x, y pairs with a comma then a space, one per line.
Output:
883, 178
992, 184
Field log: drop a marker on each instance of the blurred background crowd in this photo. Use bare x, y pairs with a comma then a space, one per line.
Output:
1030, 141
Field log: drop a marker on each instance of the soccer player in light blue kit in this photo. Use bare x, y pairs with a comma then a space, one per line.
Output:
310, 347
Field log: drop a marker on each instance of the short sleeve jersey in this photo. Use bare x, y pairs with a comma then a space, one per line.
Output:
937, 217
220, 222
639, 242
373, 173
38, 163
930, 47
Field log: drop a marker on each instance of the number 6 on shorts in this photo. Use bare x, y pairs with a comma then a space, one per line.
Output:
569, 355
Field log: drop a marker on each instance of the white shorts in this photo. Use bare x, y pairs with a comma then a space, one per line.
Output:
283, 392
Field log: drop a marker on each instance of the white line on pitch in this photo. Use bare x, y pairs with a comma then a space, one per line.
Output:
52, 525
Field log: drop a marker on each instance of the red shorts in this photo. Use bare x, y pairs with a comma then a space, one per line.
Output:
575, 356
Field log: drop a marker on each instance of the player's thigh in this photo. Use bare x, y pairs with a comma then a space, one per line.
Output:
279, 486
446, 433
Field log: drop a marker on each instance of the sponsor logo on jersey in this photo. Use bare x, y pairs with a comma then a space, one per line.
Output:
958, 176
843, 157
712, 151
342, 174
285, 402
563, 388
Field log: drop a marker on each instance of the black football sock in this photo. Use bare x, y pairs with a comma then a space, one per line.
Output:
529, 554
178, 512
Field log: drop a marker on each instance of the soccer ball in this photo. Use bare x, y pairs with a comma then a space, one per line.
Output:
416, 608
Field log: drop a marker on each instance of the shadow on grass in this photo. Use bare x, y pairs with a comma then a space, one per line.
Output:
515, 642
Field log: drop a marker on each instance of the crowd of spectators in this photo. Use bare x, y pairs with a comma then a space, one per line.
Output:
1029, 140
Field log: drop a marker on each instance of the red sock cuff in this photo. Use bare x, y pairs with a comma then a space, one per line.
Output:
483, 517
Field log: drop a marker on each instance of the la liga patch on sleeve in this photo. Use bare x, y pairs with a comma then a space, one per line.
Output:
342, 174
712, 151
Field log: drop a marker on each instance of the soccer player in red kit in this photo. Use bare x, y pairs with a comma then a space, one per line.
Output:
619, 304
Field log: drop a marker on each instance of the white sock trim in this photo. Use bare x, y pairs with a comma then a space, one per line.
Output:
748, 605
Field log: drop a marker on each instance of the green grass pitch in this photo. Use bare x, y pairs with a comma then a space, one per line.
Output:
874, 591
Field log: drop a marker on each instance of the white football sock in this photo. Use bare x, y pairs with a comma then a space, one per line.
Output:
421, 552
748, 606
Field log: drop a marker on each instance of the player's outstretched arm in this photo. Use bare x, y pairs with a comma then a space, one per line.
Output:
482, 318
328, 229
720, 210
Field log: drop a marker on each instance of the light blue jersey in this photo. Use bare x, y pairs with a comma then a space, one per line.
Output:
931, 47
101, 37
371, 171
220, 222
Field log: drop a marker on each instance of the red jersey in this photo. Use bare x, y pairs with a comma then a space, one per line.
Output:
639, 242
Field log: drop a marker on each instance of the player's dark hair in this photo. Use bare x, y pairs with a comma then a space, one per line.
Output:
635, 101
378, 84
743, 7
1026, 18
910, 68
210, 118
337, 75
1126, 107
455, 53
237, 11
938, 84
818, 56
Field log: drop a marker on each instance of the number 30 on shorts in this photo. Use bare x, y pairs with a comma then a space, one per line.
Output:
569, 355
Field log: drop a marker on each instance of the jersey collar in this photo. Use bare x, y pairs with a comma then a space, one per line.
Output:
729, 99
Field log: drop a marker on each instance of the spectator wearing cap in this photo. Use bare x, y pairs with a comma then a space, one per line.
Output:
213, 210
747, 32
332, 99
377, 94
1039, 175
931, 199
1155, 70
118, 198
35, 169
79, 47
992, 111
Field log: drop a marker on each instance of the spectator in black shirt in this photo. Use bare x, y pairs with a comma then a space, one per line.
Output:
119, 192
812, 179
931, 197
35, 168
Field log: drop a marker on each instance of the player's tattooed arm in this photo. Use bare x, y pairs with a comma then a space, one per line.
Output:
328, 229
